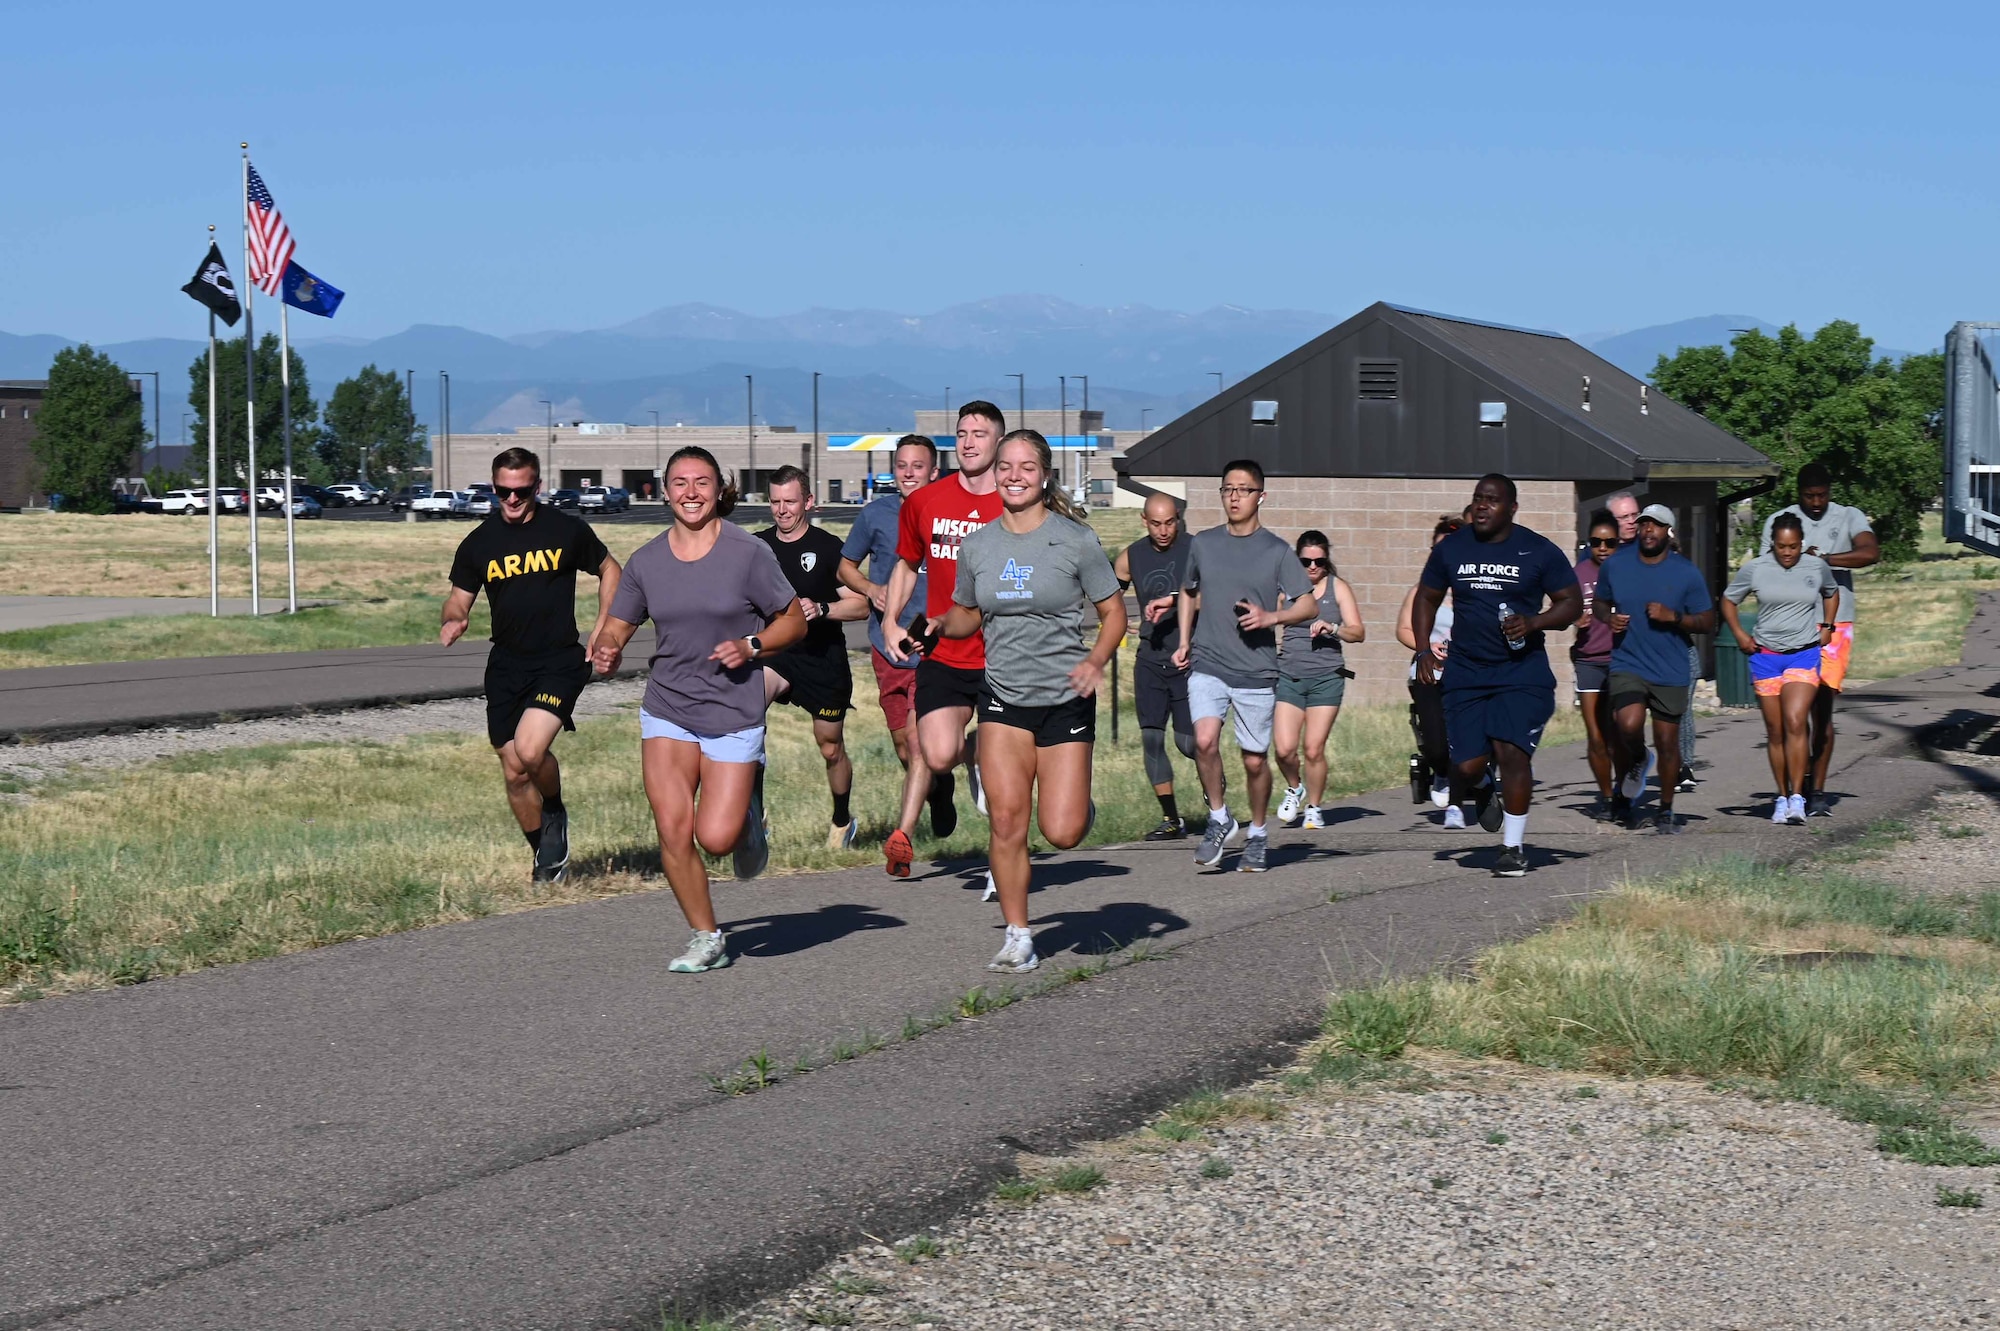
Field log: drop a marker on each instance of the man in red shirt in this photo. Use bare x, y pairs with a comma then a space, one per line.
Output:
933, 521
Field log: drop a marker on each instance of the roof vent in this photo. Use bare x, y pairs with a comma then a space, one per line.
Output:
1644, 409
1263, 412
1379, 380
1586, 392
1493, 413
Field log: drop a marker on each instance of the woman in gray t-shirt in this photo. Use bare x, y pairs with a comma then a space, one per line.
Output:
1025, 581
1312, 679
719, 603
1797, 601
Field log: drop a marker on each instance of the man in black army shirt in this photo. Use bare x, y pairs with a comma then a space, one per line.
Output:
814, 675
526, 556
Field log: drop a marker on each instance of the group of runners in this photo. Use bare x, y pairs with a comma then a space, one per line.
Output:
989, 599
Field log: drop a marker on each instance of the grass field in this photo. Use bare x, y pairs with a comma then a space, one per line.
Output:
1802, 983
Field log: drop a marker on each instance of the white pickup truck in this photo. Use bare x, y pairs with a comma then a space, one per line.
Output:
439, 504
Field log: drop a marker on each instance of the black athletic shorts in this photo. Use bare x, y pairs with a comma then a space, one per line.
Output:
1667, 702
550, 682
821, 683
940, 686
1072, 722
1160, 694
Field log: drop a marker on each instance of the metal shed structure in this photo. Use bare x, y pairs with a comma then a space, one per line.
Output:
1374, 429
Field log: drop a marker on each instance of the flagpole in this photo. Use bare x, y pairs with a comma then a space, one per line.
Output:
250, 385
214, 510
285, 378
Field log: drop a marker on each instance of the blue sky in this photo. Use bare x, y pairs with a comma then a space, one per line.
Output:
520, 167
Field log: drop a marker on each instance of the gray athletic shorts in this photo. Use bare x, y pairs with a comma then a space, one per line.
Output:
1209, 696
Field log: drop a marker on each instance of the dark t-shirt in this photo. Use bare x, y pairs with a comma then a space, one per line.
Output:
1518, 573
528, 571
812, 565
1656, 653
1156, 573
1593, 641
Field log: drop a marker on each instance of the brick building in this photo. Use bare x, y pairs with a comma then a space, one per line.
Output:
19, 400
1376, 428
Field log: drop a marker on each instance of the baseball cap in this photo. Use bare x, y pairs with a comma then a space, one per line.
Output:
1659, 513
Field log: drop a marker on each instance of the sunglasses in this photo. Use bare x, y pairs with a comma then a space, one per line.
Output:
514, 491
1595, 542
1314, 561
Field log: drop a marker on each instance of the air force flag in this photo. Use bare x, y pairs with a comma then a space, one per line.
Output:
305, 292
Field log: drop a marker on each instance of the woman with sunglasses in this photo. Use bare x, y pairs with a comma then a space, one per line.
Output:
1797, 604
1025, 581
719, 605
1312, 679
1590, 656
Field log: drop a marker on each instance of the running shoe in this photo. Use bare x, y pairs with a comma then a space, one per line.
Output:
1620, 808
1169, 829
1634, 784
1513, 862
897, 852
978, 788
991, 891
1818, 806
1781, 810
753, 850
1666, 824
552, 858
1315, 820
1017, 955
1252, 859
944, 809
1217, 835
1795, 811
1687, 783
1491, 809
1454, 818
1291, 804
1440, 791
705, 952
841, 835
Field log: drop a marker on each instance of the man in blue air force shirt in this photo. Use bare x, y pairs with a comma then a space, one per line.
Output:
1500, 692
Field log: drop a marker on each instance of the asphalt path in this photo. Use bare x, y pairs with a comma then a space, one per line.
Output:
509, 1123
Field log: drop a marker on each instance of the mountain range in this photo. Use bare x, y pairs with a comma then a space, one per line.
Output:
688, 362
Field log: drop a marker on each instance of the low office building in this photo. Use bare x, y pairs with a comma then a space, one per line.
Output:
1376, 428
20, 473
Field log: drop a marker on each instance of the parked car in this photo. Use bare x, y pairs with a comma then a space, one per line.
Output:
563, 499
184, 502
608, 499
359, 492
233, 498
478, 488
305, 506
479, 504
439, 504
320, 494
407, 497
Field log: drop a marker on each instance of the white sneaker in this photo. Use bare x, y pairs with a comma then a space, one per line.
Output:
1781, 810
1795, 813
705, 952
1314, 820
1634, 784
1288, 807
991, 891
1454, 818
1440, 792
1017, 955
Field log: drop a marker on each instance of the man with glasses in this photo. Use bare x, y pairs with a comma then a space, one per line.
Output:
1154, 565
1240, 572
525, 556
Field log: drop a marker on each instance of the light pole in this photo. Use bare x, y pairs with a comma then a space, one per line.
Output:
1084, 429
184, 429
1144, 412
659, 481
815, 452
1021, 411
1218, 381
444, 421
750, 423
551, 416
947, 401
410, 410
1062, 430
156, 412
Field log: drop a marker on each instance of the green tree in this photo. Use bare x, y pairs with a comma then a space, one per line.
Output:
1826, 398
231, 443
89, 429
370, 429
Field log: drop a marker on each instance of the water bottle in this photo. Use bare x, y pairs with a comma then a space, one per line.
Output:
1513, 644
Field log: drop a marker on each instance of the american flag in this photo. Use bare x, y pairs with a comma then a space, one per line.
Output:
270, 240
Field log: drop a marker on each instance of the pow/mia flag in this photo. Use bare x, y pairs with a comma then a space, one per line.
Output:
214, 287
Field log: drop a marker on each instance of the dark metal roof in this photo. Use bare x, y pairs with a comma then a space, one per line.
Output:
1447, 366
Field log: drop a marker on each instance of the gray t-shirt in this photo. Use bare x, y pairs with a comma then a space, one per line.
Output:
1307, 657
873, 537
1832, 534
732, 591
1788, 599
1227, 569
1032, 590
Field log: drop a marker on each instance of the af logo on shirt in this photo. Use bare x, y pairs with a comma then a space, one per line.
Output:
535, 561
1018, 574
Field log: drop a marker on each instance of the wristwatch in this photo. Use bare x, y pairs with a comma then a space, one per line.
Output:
756, 646
824, 609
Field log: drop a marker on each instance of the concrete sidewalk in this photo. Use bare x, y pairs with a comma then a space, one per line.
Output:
39, 612
509, 1123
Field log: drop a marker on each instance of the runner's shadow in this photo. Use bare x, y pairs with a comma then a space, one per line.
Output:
1282, 853
1112, 927
782, 935
1483, 857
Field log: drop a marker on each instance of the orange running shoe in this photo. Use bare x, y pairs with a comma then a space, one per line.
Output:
898, 851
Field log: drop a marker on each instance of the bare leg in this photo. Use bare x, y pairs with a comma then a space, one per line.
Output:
1796, 702
1257, 785
1822, 737
672, 770
832, 739
529, 767
1208, 763
1287, 724
1010, 787
1597, 746
1319, 727
1517, 777
1777, 742
1667, 747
